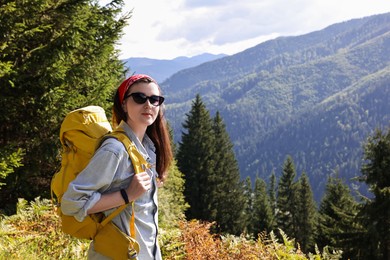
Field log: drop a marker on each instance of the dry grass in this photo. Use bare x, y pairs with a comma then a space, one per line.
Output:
35, 233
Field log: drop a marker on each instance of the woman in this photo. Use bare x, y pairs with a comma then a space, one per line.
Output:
137, 110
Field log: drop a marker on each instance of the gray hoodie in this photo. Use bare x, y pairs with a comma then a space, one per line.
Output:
110, 170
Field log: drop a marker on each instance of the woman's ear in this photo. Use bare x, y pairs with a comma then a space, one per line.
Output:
124, 107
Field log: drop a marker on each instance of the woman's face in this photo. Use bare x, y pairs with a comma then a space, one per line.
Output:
140, 116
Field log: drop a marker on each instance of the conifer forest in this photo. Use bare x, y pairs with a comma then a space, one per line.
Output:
280, 150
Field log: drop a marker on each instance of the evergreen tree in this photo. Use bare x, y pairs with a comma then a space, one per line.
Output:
272, 193
287, 199
172, 204
227, 200
9, 164
195, 160
248, 209
262, 210
376, 173
55, 56
306, 215
171, 199
337, 214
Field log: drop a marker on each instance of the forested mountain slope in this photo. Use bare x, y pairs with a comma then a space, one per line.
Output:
328, 138
289, 87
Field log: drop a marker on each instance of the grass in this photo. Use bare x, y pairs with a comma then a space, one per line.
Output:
34, 232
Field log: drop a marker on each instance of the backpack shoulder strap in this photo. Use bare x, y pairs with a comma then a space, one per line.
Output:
138, 161
139, 164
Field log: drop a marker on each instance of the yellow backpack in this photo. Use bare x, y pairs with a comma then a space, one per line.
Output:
81, 133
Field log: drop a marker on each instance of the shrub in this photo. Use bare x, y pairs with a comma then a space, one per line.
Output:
35, 233
196, 242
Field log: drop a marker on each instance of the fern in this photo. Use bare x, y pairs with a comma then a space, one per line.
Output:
35, 233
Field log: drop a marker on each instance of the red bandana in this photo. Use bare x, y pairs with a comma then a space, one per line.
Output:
130, 81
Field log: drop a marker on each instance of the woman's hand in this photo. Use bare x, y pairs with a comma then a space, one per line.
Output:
141, 182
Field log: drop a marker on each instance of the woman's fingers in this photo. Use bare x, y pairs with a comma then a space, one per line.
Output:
144, 179
141, 182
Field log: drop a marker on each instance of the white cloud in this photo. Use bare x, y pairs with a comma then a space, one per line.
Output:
166, 29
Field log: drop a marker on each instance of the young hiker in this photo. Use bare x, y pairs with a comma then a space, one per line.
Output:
109, 181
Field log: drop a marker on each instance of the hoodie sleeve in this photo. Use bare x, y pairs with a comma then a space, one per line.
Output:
86, 189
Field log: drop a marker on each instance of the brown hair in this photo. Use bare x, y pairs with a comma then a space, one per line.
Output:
158, 132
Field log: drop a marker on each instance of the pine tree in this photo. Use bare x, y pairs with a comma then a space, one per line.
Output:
337, 214
376, 173
306, 215
55, 56
195, 160
248, 208
171, 199
9, 164
287, 199
262, 210
172, 204
227, 198
272, 193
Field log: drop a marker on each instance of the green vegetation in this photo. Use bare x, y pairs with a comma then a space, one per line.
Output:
376, 211
195, 160
306, 218
337, 226
206, 159
313, 98
341, 224
8, 164
262, 215
57, 56
34, 233
172, 203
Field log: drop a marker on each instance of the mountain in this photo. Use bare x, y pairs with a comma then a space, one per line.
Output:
163, 69
315, 97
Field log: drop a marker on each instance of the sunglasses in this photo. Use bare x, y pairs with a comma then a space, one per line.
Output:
140, 98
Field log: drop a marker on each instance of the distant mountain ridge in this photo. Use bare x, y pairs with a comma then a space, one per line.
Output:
276, 97
160, 70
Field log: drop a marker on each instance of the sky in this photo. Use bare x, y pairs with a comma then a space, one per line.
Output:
166, 29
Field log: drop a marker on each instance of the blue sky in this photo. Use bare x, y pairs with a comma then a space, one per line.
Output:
166, 29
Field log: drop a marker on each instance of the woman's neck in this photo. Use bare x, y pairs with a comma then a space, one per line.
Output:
139, 131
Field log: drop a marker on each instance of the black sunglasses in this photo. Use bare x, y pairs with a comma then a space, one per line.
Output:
141, 98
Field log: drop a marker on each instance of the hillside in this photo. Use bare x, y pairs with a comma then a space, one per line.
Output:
329, 137
288, 87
